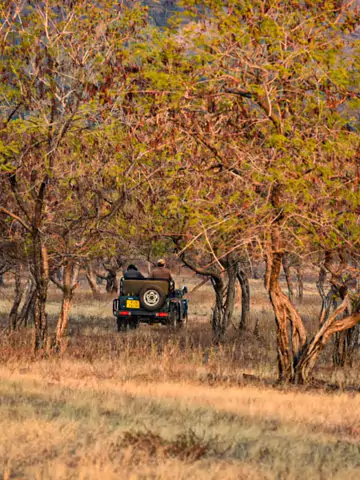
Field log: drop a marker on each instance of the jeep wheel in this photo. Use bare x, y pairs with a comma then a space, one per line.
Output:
173, 319
121, 324
152, 298
133, 323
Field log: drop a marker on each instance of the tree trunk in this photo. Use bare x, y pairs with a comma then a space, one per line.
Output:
223, 309
291, 333
230, 294
329, 302
343, 348
216, 316
111, 282
91, 278
64, 316
300, 281
320, 284
112, 266
41, 270
245, 298
27, 310
326, 299
344, 341
41, 276
224, 300
344, 345
40, 319
319, 341
287, 273
284, 353
68, 286
13, 316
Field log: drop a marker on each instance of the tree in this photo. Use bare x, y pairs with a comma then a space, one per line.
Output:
341, 279
289, 262
65, 68
169, 225
259, 98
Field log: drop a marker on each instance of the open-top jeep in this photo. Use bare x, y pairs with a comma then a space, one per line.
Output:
150, 301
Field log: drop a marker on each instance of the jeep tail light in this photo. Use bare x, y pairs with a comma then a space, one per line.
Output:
161, 314
124, 313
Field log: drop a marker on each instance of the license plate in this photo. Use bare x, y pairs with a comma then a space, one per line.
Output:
132, 304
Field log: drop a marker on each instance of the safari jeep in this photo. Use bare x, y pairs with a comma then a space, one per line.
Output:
149, 301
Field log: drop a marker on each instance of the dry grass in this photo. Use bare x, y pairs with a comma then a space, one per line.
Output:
64, 420
153, 404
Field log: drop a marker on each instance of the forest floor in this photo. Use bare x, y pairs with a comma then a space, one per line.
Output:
156, 404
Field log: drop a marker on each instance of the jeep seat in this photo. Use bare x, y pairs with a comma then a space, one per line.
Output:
134, 286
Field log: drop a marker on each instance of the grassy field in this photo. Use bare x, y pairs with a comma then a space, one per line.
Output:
157, 404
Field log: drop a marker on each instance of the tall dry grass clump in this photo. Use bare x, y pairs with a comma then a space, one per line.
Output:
153, 403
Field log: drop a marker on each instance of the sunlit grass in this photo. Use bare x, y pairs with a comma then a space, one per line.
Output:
109, 405
64, 414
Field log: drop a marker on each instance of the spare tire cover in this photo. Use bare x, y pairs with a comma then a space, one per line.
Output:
152, 298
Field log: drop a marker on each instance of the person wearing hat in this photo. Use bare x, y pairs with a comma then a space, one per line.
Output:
160, 271
132, 272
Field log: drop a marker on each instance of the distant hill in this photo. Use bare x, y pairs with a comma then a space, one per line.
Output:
161, 10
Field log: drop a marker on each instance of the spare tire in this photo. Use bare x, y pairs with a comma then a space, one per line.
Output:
152, 298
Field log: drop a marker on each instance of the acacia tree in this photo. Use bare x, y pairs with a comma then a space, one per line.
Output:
338, 278
65, 68
166, 223
258, 96
12, 260
290, 262
223, 274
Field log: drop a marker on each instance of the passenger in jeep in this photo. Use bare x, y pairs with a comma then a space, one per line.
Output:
161, 272
132, 272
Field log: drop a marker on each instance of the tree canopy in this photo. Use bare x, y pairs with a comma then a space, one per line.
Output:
232, 128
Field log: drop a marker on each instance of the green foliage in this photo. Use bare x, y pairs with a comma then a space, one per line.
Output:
260, 96
66, 118
183, 130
